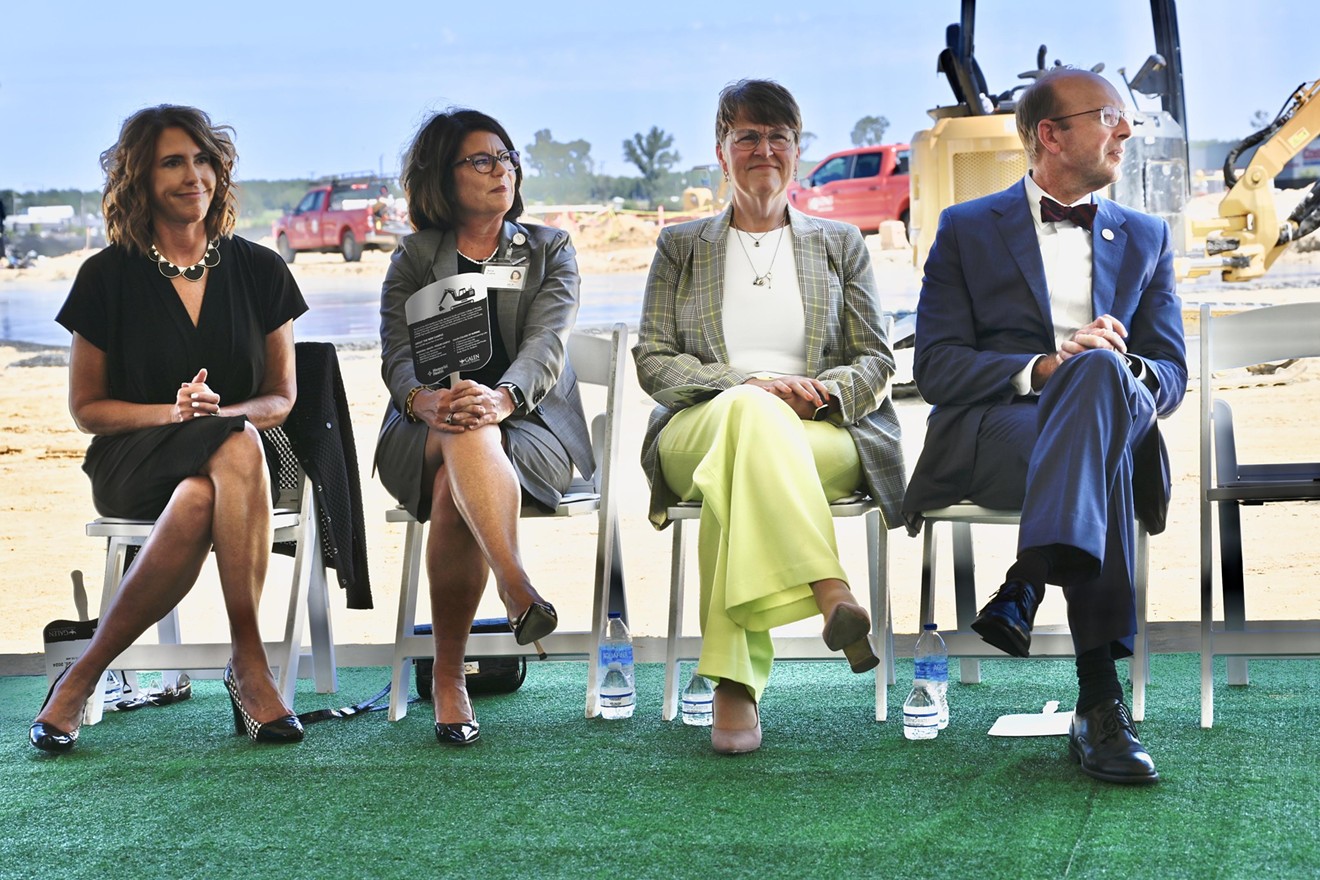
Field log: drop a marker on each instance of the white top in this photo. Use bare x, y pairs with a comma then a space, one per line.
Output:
1065, 249
764, 325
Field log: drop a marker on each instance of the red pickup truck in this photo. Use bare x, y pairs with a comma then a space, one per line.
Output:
863, 186
344, 216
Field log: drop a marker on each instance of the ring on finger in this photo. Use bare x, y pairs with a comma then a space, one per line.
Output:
449, 419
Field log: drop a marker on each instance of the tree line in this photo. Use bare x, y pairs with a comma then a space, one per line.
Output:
554, 172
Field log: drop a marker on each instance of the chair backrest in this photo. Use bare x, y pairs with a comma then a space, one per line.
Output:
1244, 339
599, 359
1257, 336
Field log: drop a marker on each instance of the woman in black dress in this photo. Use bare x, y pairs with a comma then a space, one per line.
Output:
182, 349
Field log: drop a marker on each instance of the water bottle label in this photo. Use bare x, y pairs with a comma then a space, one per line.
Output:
921, 716
616, 653
932, 668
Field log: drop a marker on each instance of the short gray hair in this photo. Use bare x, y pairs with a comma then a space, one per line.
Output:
1037, 103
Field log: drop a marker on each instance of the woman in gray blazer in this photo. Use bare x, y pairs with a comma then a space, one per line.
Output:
466, 457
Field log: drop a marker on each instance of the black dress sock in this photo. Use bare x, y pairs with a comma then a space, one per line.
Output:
1097, 678
1032, 567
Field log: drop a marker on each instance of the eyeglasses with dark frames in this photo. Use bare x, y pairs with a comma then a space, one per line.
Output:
1109, 116
484, 163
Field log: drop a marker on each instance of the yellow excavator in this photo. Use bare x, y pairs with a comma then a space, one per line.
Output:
973, 150
1248, 236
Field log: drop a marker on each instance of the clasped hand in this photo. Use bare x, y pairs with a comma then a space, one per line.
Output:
195, 398
803, 393
1105, 331
465, 407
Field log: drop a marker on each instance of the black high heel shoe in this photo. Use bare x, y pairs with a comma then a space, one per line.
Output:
461, 733
537, 622
48, 737
285, 729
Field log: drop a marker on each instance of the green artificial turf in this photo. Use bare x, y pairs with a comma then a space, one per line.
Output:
171, 792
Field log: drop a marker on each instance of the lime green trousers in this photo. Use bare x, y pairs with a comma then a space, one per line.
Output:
765, 479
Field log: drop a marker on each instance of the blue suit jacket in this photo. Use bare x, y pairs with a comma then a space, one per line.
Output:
984, 313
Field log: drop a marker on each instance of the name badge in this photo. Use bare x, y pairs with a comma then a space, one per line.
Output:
505, 276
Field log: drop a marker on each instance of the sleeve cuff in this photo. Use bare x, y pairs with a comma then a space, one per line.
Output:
1021, 380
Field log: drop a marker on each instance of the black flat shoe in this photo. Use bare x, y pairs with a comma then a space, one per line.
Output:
1104, 742
48, 737
461, 733
537, 622
285, 729
1006, 620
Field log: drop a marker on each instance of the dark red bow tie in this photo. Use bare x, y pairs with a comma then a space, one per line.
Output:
1081, 215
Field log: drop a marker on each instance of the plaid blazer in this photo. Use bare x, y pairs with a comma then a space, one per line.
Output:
681, 341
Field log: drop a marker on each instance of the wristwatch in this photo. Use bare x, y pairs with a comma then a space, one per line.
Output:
519, 402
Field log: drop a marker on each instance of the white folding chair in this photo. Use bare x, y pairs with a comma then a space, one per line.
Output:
965, 644
679, 647
296, 519
1234, 341
597, 360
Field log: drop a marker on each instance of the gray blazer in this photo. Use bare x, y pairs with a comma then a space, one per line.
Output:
682, 341
534, 322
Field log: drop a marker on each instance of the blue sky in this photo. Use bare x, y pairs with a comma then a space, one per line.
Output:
318, 88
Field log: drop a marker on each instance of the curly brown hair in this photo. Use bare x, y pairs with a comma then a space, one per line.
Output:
126, 202
427, 176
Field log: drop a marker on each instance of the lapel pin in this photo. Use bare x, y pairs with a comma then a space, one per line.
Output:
520, 239
1107, 234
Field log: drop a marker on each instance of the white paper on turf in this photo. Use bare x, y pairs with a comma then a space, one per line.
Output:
1047, 722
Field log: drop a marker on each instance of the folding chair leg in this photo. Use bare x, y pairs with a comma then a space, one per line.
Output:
964, 593
168, 633
1232, 583
877, 553
324, 670
1139, 666
412, 557
677, 562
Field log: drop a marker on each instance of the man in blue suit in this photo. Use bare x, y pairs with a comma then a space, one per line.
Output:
1049, 338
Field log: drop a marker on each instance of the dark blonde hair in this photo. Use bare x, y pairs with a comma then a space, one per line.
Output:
126, 203
427, 176
762, 101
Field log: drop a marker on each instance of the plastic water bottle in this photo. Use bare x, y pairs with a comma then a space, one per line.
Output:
921, 713
932, 667
698, 701
617, 695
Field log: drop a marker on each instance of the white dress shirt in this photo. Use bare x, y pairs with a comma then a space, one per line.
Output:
1065, 250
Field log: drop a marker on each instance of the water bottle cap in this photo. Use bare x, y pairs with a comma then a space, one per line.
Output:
929, 626
616, 615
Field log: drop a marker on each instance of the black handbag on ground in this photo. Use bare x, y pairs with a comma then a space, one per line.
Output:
485, 675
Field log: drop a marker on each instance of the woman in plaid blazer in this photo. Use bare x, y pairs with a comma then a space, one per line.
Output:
762, 340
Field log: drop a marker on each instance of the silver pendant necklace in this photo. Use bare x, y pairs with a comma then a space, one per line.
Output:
758, 279
210, 259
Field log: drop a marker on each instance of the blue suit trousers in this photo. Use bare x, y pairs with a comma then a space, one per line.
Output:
1066, 460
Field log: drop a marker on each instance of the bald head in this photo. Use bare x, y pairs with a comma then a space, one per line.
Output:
1045, 97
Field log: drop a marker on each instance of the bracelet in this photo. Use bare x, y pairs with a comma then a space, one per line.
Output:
408, 403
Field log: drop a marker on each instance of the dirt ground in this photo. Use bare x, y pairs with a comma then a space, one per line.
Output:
46, 501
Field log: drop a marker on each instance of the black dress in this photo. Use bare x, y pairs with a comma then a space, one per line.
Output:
121, 304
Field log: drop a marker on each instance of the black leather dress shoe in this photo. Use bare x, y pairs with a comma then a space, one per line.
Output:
1105, 743
1006, 620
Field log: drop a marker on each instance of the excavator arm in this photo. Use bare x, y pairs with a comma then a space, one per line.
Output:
1248, 235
